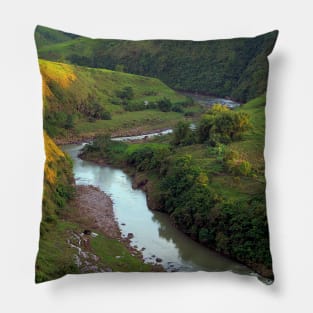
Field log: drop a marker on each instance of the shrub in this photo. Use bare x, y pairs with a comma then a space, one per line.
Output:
182, 134
126, 93
221, 125
164, 105
236, 164
147, 157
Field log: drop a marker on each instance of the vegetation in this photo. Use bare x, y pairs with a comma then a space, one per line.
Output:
83, 100
222, 125
213, 193
236, 68
209, 177
55, 257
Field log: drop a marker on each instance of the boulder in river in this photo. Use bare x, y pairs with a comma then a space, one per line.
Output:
159, 260
130, 235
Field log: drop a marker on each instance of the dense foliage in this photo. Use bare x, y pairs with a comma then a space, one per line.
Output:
222, 125
236, 228
236, 68
219, 125
54, 258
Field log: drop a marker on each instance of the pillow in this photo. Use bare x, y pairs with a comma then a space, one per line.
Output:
154, 155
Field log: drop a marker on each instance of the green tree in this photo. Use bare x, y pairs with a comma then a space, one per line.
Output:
126, 93
119, 68
165, 105
182, 134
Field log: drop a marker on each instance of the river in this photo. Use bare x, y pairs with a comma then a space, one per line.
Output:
153, 232
208, 101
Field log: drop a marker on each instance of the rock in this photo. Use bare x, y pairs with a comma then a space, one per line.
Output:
108, 269
153, 256
123, 224
118, 257
159, 260
130, 235
87, 232
143, 249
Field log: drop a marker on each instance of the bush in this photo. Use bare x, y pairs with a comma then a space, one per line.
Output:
126, 93
105, 115
147, 157
182, 134
164, 105
189, 114
221, 125
177, 108
236, 164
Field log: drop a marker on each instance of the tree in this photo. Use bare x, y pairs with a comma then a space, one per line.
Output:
182, 134
126, 93
221, 125
165, 104
119, 68
69, 123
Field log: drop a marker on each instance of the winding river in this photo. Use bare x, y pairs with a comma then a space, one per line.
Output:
153, 232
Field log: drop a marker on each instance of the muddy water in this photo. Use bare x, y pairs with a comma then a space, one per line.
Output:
153, 232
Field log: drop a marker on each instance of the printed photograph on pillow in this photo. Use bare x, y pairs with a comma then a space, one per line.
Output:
154, 155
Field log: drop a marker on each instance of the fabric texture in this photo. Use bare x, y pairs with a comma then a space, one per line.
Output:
154, 155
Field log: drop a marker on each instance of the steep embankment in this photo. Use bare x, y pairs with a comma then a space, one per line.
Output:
80, 101
235, 68
64, 247
54, 258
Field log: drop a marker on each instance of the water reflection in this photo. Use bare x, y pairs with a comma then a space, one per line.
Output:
152, 230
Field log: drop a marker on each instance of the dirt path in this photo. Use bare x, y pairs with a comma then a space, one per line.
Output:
96, 208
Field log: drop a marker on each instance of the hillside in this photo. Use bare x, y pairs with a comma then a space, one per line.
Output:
47, 36
83, 101
54, 259
236, 68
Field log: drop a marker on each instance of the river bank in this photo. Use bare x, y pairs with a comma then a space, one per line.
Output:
142, 180
92, 210
79, 139
154, 234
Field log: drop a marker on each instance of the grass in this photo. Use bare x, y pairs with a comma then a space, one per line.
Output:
252, 143
104, 83
67, 87
145, 120
55, 258
108, 249
251, 146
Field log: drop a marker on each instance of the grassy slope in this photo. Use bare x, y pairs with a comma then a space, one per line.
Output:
47, 36
250, 146
55, 258
65, 86
236, 68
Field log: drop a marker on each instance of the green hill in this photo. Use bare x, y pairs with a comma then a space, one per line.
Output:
235, 67
83, 101
47, 36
